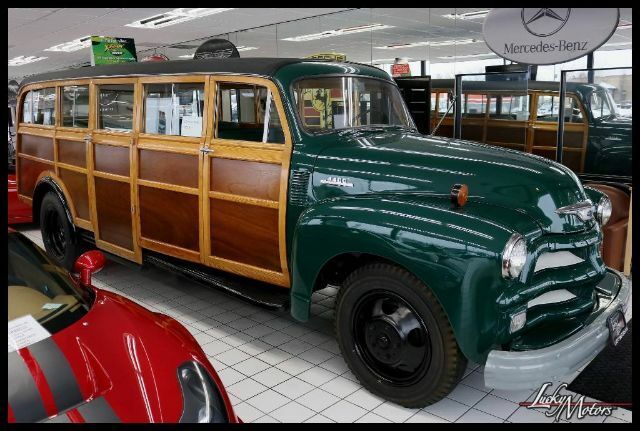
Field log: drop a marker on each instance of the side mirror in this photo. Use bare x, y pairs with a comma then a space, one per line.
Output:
89, 263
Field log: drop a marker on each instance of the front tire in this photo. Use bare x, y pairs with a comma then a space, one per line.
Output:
57, 233
395, 336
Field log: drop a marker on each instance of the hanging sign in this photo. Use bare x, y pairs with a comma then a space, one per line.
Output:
548, 35
110, 50
400, 69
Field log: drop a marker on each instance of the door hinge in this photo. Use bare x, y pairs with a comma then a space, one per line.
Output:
206, 150
133, 209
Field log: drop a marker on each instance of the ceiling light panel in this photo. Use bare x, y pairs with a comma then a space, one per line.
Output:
428, 43
175, 16
479, 14
74, 45
21, 60
337, 32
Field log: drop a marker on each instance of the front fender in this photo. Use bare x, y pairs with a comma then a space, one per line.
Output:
454, 251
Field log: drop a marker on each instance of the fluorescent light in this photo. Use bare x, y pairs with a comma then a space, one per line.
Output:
625, 26
388, 60
338, 32
21, 60
74, 45
468, 15
427, 43
175, 16
239, 48
448, 57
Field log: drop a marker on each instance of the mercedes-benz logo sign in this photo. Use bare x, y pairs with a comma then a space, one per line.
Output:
544, 21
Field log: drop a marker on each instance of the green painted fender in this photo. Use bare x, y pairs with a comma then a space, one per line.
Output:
454, 251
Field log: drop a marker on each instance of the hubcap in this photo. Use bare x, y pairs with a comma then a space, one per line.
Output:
391, 338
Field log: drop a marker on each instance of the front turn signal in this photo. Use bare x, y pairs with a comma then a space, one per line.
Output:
459, 194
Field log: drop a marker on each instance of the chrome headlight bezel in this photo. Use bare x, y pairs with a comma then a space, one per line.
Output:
514, 256
202, 401
603, 210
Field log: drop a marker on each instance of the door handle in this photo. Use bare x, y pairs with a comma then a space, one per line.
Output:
87, 138
205, 150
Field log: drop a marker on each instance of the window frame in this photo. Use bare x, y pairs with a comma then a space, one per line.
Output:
29, 90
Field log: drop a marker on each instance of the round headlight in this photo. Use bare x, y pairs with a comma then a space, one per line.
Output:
603, 210
514, 256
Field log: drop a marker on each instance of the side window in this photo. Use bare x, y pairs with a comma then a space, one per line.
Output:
39, 107
75, 106
444, 100
433, 102
174, 109
247, 112
549, 107
515, 107
474, 105
115, 107
27, 108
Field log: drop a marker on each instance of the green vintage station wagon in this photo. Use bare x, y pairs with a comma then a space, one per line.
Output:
274, 178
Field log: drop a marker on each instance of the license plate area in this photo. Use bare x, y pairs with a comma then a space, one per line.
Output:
617, 326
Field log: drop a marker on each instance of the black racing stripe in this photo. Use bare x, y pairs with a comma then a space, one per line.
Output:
57, 371
98, 411
24, 397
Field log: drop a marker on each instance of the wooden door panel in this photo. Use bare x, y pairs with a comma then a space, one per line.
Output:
37, 146
113, 205
112, 159
246, 178
72, 152
170, 217
29, 171
169, 168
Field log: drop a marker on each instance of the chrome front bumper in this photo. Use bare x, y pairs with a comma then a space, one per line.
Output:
530, 369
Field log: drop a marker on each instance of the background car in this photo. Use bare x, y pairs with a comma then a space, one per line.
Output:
81, 354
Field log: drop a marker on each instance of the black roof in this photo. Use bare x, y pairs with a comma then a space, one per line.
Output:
249, 65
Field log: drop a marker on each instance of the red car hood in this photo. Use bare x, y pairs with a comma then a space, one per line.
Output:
118, 363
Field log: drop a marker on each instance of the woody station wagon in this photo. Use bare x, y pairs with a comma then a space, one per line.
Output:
273, 178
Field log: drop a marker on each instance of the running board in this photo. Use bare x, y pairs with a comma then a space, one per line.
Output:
256, 292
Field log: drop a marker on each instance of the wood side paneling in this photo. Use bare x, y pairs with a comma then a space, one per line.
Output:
72, 152
245, 178
37, 146
505, 134
112, 159
113, 207
245, 233
170, 168
76, 184
28, 175
170, 217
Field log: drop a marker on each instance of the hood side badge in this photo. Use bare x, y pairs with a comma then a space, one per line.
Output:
336, 181
583, 210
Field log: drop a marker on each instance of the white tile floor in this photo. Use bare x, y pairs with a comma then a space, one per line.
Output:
276, 369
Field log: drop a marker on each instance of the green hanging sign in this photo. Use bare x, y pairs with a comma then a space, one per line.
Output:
110, 50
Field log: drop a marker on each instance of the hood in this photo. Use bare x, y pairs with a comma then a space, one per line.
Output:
117, 363
359, 162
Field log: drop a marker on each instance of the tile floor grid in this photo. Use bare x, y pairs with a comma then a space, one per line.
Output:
276, 369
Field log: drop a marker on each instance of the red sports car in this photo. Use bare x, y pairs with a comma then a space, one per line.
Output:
19, 212
81, 354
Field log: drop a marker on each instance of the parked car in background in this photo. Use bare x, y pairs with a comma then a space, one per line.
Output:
81, 354
275, 177
18, 211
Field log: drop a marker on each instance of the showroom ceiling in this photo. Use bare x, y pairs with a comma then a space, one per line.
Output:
437, 34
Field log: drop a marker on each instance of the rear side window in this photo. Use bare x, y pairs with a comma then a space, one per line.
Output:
174, 109
39, 107
509, 107
75, 106
115, 107
247, 112
549, 106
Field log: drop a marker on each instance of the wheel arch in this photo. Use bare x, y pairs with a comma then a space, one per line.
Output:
48, 181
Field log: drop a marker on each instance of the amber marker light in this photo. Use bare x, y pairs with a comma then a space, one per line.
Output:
459, 194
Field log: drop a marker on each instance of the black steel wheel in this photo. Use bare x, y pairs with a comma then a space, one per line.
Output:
396, 337
57, 232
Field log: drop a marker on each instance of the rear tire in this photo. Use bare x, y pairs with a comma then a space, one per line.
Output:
395, 336
57, 233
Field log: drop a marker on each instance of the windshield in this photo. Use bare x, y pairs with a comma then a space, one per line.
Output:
40, 289
332, 103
